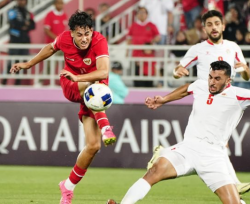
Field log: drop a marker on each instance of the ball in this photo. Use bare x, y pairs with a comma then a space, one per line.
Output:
98, 97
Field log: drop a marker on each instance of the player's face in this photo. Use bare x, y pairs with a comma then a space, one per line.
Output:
213, 28
217, 81
82, 37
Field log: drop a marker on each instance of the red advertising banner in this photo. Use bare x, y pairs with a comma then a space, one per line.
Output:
51, 134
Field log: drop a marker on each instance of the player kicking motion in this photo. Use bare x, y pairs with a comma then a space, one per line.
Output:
86, 61
202, 54
217, 109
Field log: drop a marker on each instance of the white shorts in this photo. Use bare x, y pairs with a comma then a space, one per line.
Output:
210, 162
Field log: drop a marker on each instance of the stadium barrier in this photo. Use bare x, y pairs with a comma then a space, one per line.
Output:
50, 134
47, 72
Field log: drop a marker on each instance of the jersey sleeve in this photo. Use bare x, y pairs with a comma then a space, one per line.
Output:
101, 49
191, 88
238, 54
57, 43
243, 97
130, 31
190, 59
199, 84
155, 30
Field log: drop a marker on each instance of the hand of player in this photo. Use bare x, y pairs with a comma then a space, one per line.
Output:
154, 103
180, 72
240, 64
16, 67
68, 75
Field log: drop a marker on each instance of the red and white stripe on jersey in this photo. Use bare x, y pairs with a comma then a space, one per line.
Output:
236, 57
243, 96
240, 98
101, 56
192, 62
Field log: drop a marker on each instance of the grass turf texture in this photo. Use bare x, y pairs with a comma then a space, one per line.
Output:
39, 185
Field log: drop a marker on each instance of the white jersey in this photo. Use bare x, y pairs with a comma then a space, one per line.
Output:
203, 54
214, 117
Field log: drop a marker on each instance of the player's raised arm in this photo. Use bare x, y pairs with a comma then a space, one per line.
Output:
180, 71
44, 53
157, 101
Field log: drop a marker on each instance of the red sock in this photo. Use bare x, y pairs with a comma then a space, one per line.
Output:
76, 174
102, 120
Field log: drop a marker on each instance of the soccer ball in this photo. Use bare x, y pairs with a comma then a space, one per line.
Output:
98, 97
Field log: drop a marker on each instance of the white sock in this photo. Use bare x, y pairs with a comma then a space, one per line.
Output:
136, 192
104, 129
69, 185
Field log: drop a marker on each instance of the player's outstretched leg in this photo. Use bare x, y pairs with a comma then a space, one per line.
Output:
155, 156
108, 137
84, 159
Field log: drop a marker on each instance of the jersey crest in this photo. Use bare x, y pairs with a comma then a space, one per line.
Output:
87, 61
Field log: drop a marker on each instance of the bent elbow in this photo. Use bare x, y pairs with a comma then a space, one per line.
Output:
104, 74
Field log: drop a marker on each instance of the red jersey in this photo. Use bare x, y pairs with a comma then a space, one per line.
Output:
141, 33
56, 22
79, 61
188, 5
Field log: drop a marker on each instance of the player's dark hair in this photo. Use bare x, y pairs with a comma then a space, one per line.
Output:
210, 14
81, 19
221, 65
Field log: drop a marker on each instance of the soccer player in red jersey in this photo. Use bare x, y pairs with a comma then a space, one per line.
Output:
86, 61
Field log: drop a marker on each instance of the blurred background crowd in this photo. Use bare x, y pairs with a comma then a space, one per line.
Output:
154, 22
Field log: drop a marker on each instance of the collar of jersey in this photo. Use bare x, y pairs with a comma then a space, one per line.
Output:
75, 44
226, 88
142, 23
211, 43
58, 13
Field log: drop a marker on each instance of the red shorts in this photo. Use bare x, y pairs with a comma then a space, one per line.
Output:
72, 93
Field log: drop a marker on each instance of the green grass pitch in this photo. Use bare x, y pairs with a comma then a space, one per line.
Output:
39, 185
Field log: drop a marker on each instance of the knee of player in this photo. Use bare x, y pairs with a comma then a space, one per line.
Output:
154, 172
93, 148
152, 176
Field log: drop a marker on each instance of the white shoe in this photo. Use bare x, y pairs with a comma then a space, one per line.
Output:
155, 156
243, 188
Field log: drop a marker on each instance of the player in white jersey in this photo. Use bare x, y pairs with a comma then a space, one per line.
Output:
213, 49
209, 128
